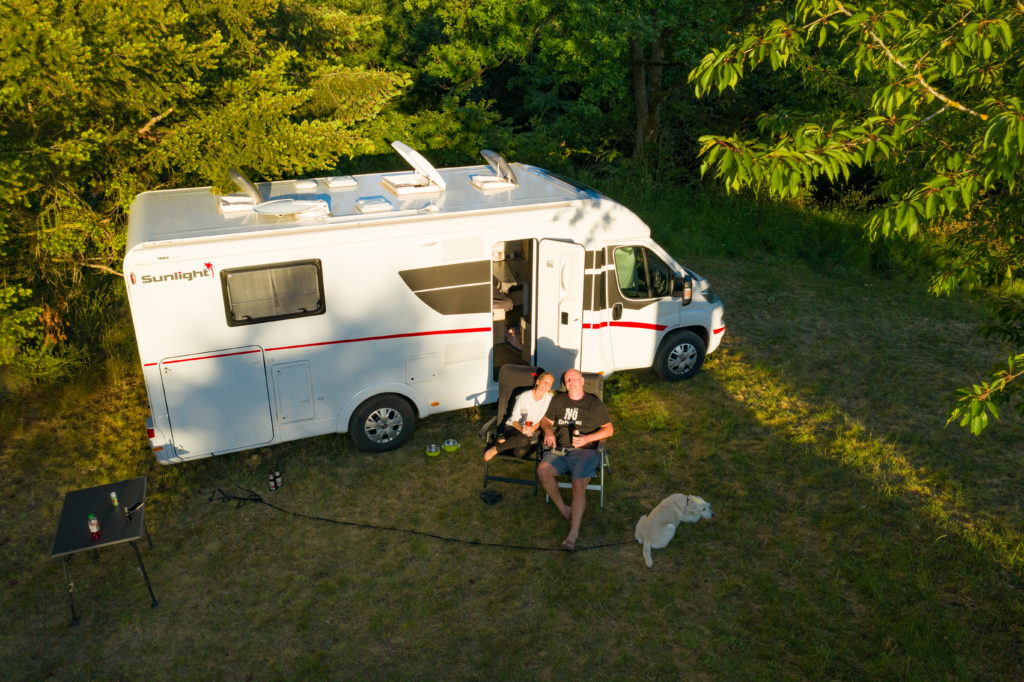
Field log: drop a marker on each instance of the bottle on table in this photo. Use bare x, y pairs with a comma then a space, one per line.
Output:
94, 527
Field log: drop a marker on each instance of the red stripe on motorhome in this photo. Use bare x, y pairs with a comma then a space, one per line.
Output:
472, 330
389, 336
205, 357
630, 325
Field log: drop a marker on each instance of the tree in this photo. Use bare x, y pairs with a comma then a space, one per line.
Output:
927, 94
588, 79
100, 99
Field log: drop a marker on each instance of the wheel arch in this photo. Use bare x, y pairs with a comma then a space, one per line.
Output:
697, 329
413, 397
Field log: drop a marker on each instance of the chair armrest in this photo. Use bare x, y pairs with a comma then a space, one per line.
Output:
489, 430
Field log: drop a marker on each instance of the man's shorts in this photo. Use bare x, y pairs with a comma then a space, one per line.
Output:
578, 463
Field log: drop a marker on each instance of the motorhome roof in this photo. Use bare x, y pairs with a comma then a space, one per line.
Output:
184, 214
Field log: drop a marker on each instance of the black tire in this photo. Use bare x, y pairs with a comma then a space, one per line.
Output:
680, 356
382, 423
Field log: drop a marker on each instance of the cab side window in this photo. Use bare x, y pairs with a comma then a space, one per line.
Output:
629, 271
661, 275
273, 292
641, 274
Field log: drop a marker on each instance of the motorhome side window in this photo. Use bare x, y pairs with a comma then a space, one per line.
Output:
273, 292
641, 274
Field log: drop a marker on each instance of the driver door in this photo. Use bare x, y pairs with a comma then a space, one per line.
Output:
642, 308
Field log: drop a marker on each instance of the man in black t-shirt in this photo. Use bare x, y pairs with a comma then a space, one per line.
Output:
575, 423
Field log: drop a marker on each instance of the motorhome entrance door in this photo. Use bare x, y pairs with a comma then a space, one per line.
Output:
217, 401
558, 305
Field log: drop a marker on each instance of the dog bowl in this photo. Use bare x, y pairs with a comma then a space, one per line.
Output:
433, 450
450, 445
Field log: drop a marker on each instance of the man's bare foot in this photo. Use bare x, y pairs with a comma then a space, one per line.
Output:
490, 453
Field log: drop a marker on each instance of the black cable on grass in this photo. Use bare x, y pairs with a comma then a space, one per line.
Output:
258, 499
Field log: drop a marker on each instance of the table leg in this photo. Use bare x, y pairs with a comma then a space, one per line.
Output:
145, 575
146, 528
71, 598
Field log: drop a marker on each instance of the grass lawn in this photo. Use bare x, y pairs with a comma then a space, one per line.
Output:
854, 538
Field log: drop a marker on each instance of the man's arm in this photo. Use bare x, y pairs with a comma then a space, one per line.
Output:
602, 433
549, 434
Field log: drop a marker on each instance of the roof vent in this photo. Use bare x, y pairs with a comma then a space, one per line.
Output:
240, 202
341, 182
300, 208
245, 184
377, 204
503, 177
425, 179
236, 203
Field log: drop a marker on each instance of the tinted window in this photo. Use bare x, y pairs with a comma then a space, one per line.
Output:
273, 292
641, 274
660, 275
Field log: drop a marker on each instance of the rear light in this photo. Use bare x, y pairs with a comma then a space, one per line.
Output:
150, 432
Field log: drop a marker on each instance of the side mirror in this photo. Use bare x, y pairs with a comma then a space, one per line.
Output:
682, 286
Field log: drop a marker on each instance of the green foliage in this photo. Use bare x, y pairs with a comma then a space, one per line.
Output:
102, 99
928, 95
17, 321
480, 36
587, 80
980, 400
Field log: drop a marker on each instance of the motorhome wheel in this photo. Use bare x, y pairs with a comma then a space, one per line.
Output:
382, 423
680, 356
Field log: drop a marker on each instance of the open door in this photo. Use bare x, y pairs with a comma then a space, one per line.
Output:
558, 305
217, 401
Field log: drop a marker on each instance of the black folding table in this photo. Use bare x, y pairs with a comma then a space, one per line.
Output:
125, 522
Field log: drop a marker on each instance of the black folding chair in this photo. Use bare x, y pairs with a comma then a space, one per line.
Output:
512, 380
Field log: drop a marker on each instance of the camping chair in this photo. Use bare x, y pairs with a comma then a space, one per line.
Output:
512, 380
592, 383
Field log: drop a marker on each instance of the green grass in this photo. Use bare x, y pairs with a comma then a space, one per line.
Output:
855, 537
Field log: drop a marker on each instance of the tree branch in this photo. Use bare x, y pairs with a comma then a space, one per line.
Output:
928, 117
144, 130
917, 74
103, 268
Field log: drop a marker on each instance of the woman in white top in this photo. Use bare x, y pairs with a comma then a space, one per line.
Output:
525, 417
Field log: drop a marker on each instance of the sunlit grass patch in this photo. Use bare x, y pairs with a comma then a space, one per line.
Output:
812, 420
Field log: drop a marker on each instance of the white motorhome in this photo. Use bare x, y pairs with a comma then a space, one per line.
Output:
362, 303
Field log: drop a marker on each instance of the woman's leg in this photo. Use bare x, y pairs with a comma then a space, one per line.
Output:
513, 441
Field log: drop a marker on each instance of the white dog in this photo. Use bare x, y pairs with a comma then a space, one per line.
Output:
655, 531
